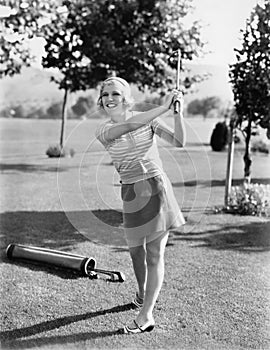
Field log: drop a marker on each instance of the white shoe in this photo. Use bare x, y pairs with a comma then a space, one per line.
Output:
138, 302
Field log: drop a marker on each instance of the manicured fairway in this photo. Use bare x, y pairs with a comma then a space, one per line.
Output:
217, 286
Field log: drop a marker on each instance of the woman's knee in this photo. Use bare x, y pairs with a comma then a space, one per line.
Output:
154, 254
155, 251
153, 257
137, 252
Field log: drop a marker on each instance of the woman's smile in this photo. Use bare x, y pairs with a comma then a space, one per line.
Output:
111, 105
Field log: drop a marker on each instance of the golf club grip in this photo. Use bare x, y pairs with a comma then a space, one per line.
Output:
176, 107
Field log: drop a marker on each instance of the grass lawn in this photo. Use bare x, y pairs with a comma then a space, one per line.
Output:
216, 291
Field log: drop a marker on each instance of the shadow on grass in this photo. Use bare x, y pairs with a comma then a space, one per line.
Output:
109, 217
248, 238
61, 272
12, 338
34, 168
197, 144
57, 230
46, 229
28, 168
218, 183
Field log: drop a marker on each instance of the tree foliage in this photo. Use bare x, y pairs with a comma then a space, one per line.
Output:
250, 76
24, 22
130, 38
63, 50
89, 40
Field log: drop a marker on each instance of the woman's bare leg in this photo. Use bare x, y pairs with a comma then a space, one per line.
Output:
138, 256
155, 274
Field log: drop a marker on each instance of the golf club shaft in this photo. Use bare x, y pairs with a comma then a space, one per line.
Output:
177, 103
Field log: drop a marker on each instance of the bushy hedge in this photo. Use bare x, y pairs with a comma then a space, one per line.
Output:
56, 151
260, 146
250, 199
219, 137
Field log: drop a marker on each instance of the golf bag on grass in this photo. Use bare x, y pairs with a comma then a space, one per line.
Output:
81, 264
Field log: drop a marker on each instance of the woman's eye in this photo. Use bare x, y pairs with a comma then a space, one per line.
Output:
116, 94
104, 95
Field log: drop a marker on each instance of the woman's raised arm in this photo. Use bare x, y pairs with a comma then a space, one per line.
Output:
176, 136
138, 120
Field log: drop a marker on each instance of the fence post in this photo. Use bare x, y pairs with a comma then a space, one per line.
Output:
228, 182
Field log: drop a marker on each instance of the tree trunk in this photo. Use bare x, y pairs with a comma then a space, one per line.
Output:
64, 117
247, 158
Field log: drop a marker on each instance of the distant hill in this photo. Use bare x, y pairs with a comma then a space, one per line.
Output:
33, 86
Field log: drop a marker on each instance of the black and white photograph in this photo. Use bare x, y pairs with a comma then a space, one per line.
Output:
135, 174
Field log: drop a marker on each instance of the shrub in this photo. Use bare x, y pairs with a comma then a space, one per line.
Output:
194, 107
38, 113
54, 111
260, 146
205, 106
56, 151
83, 106
219, 137
31, 110
16, 111
250, 199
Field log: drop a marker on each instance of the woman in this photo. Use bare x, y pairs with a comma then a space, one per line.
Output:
149, 206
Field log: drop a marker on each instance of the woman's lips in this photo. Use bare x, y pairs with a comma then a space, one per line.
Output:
111, 105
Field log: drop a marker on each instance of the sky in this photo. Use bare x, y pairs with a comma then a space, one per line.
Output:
222, 21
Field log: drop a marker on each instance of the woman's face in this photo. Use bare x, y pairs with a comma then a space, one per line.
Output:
112, 98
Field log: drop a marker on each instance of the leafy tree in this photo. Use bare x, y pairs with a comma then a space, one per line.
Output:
250, 78
63, 51
24, 21
210, 103
136, 39
83, 105
54, 110
194, 107
28, 19
204, 106
131, 38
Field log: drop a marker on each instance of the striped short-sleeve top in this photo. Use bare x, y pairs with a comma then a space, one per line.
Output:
134, 154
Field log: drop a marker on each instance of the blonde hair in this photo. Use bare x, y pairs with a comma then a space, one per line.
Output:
127, 98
